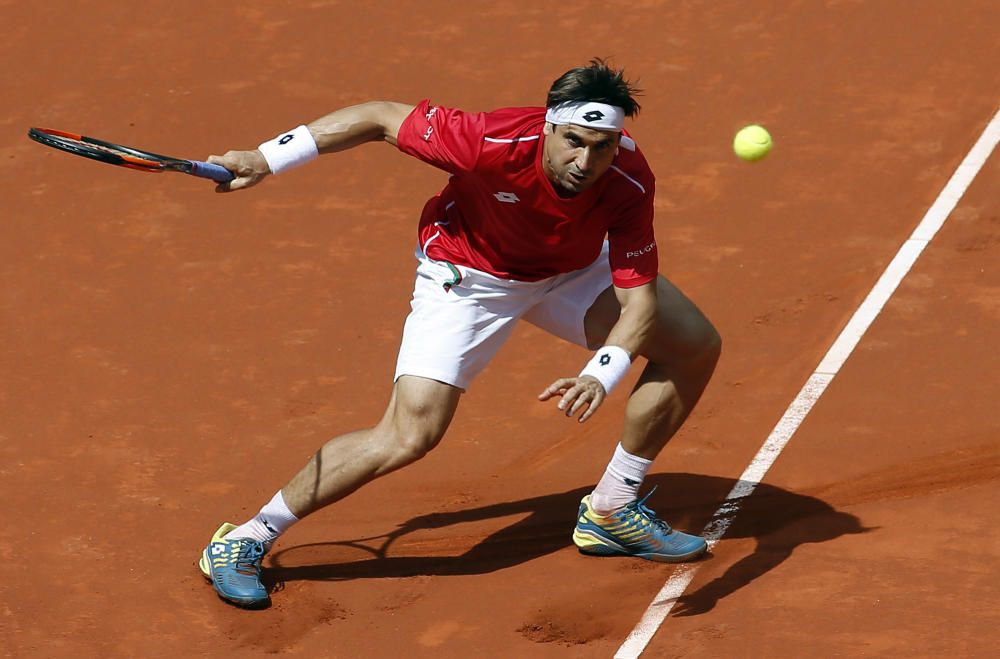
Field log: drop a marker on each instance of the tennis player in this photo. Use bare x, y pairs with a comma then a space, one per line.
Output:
547, 217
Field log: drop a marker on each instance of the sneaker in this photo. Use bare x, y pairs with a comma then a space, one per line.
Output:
633, 531
233, 567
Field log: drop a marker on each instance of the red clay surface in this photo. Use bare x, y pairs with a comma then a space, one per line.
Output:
169, 357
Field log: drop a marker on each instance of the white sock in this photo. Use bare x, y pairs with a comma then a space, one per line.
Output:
267, 526
620, 484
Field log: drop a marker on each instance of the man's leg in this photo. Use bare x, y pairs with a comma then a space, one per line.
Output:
414, 422
681, 355
415, 419
681, 359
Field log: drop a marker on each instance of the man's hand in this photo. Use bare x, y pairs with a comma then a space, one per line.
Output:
249, 167
581, 393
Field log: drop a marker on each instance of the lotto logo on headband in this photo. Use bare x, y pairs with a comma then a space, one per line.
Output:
587, 113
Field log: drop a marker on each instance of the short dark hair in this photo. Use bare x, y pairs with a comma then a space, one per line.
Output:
597, 82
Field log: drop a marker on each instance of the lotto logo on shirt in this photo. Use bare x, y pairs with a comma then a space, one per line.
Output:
507, 197
639, 252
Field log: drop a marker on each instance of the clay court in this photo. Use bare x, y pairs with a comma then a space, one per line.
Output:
170, 356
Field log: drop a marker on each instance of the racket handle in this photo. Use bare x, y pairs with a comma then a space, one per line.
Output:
208, 170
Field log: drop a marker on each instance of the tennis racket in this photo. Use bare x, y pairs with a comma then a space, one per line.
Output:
123, 156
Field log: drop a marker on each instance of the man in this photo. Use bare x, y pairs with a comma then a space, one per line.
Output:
518, 232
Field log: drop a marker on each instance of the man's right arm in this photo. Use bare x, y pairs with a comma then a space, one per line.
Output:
337, 131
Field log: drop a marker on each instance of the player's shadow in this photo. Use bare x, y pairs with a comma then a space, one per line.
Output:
779, 521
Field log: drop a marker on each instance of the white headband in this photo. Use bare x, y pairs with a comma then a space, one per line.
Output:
588, 114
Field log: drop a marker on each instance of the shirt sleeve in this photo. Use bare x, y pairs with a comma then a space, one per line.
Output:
633, 255
447, 138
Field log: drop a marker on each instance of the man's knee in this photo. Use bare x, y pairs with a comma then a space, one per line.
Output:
417, 418
696, 347
412, 444
710, 343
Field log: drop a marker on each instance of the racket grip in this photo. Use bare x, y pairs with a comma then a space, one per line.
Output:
208, 170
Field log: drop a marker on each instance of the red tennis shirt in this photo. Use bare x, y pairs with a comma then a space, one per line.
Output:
500, 214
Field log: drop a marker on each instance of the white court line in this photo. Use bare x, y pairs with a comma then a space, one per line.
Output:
814, 387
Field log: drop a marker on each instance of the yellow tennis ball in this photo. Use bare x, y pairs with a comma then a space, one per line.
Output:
752, 143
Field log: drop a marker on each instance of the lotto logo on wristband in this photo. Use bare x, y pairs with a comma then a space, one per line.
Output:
285, 152
608, 366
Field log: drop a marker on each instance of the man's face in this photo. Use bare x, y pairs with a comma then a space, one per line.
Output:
574, 157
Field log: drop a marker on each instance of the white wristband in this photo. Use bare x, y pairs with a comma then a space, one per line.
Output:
288, 150
609, 365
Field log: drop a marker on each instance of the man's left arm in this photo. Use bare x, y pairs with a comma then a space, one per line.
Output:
626, 340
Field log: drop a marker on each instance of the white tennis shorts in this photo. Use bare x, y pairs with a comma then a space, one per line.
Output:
461, 316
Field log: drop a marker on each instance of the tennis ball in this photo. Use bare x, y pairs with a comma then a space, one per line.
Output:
752, 143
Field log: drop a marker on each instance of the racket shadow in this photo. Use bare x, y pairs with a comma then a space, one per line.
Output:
545, 526
778, 519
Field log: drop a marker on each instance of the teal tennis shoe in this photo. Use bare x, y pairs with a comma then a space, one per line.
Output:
233, 567
634, 530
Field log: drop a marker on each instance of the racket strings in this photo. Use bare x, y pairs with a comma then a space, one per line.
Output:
124, 156
99, 149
